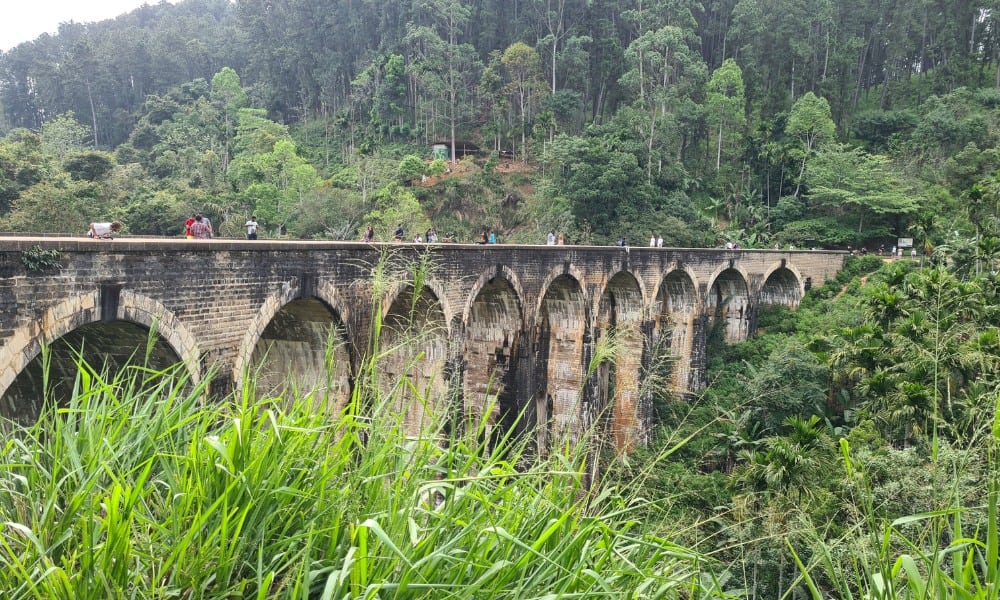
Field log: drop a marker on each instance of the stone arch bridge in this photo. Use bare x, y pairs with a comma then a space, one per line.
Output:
557, 333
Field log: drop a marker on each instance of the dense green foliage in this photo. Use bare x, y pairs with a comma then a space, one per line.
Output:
855, 431
794, 123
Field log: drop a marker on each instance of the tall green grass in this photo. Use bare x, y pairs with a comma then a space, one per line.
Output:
147, 491
932, 555
140, 487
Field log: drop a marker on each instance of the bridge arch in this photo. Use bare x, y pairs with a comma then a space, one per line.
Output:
136, 316
493, 328
429, 284
566, 269
411, 354
676, 310
728, 302
782, 284
619, 317
560, 331
501, 271
150, 313
677, 290
298, 343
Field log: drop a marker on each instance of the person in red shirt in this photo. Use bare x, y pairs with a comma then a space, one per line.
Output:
187, 228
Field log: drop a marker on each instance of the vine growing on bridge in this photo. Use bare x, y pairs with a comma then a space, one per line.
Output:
37, 260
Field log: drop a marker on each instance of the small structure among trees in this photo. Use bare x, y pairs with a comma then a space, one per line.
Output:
462, 149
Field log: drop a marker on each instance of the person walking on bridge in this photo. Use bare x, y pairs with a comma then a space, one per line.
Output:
200, 230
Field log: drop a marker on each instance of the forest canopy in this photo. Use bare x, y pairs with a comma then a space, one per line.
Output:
765, 123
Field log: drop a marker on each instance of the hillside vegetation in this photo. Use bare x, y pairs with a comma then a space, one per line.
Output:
790, 122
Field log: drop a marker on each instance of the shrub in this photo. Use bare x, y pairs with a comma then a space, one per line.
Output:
38, 260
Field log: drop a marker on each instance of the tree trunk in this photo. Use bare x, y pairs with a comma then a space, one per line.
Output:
862, 62
555, 42
93, 110
802, 171
524, 123
649, 147
826, 57
718, 154
793, 81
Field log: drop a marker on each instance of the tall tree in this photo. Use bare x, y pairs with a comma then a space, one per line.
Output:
668, 78
851, 183
523, 69
725, 103
811, 123
784, 56
228, 98
448, 67
555, 18
494, 101
23, 163
63, 136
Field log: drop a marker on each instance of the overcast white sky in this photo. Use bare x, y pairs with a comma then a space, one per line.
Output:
24, 20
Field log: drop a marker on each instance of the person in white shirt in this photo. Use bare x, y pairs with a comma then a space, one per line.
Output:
659, 241
104, 230
550, 240
251, 226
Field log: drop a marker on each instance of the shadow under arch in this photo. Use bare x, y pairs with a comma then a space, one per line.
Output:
619, 350
428, 284
783, 285
560, 331
728, 303
567, 270
75, 327
492, 349
146, 311
501, 272
675, 338
298, 346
